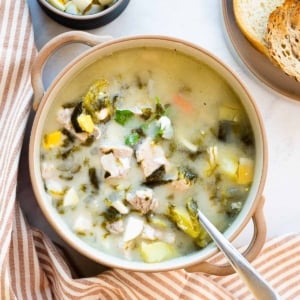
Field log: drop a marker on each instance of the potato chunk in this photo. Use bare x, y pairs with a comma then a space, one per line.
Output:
156, 251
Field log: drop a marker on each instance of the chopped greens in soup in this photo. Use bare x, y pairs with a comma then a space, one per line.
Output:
157, 136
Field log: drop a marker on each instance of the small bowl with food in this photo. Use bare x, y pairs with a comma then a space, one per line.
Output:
132, 138
83, 14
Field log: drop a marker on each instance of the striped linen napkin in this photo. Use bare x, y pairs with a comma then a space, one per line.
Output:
30, 265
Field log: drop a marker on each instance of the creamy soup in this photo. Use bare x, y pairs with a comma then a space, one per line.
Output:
156, 137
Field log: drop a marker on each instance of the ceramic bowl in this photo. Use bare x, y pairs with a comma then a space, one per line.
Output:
85, 21
70, 82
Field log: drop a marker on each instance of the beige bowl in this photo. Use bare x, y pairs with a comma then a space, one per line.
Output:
70, 82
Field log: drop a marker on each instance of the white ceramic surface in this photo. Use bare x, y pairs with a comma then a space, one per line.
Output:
199, 22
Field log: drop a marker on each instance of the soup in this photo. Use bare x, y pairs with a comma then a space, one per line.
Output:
156, 137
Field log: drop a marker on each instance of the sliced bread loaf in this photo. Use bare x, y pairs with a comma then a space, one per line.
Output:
283, 37
252, 18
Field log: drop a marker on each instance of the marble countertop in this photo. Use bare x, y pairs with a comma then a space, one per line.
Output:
199, 22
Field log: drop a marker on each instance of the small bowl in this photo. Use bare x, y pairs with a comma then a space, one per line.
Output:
86, 21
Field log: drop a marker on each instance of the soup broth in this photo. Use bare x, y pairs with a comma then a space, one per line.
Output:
129, 161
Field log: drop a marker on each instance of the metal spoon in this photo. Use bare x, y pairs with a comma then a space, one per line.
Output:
256, 284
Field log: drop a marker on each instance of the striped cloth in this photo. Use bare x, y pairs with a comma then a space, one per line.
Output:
30, 265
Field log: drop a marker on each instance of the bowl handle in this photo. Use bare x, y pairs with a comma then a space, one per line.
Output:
49, 49
253, 249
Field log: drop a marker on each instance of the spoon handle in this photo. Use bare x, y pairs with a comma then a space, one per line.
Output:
256, 284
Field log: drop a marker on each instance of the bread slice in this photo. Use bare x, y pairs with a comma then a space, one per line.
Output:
252, 18
283, 37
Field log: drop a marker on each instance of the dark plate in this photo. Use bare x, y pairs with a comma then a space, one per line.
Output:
256, 62
84, 22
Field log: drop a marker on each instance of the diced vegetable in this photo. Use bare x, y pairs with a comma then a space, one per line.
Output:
83, 223
183, 104
245, 171
82, 4
228, 164
70, 198
186, 174
96, 99
229, 113
59, 4
134, 228
78, 109
181, 217
86, 123
158, 221
212, 159
93, 9
53, 139
72, 9
55, 188
227, 130
106, 2
156, 251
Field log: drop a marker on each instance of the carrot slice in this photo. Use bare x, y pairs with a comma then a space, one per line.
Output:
183, 103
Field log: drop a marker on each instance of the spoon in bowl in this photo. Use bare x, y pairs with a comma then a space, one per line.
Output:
256, 284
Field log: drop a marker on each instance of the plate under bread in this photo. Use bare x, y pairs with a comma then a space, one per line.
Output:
256, 62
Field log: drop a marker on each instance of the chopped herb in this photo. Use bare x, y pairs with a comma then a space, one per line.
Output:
132, 139
76, 112
112, 215
89, 141
186, 174
69, 105
157, 177
123, 116
66, 177
70, 138
93, 178
146, 113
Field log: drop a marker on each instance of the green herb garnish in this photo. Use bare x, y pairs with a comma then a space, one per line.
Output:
123, 116
132, 139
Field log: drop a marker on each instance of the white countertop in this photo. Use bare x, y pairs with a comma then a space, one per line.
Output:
200, 22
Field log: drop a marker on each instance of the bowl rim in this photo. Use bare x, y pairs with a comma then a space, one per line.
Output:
63, 14
173, 264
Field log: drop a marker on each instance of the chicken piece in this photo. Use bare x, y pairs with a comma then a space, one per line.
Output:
119, 151
64, 118
116, 227
142, 200
151, 156
181, 185
117, 162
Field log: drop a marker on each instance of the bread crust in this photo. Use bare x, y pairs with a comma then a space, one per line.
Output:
283, 37
254, 31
